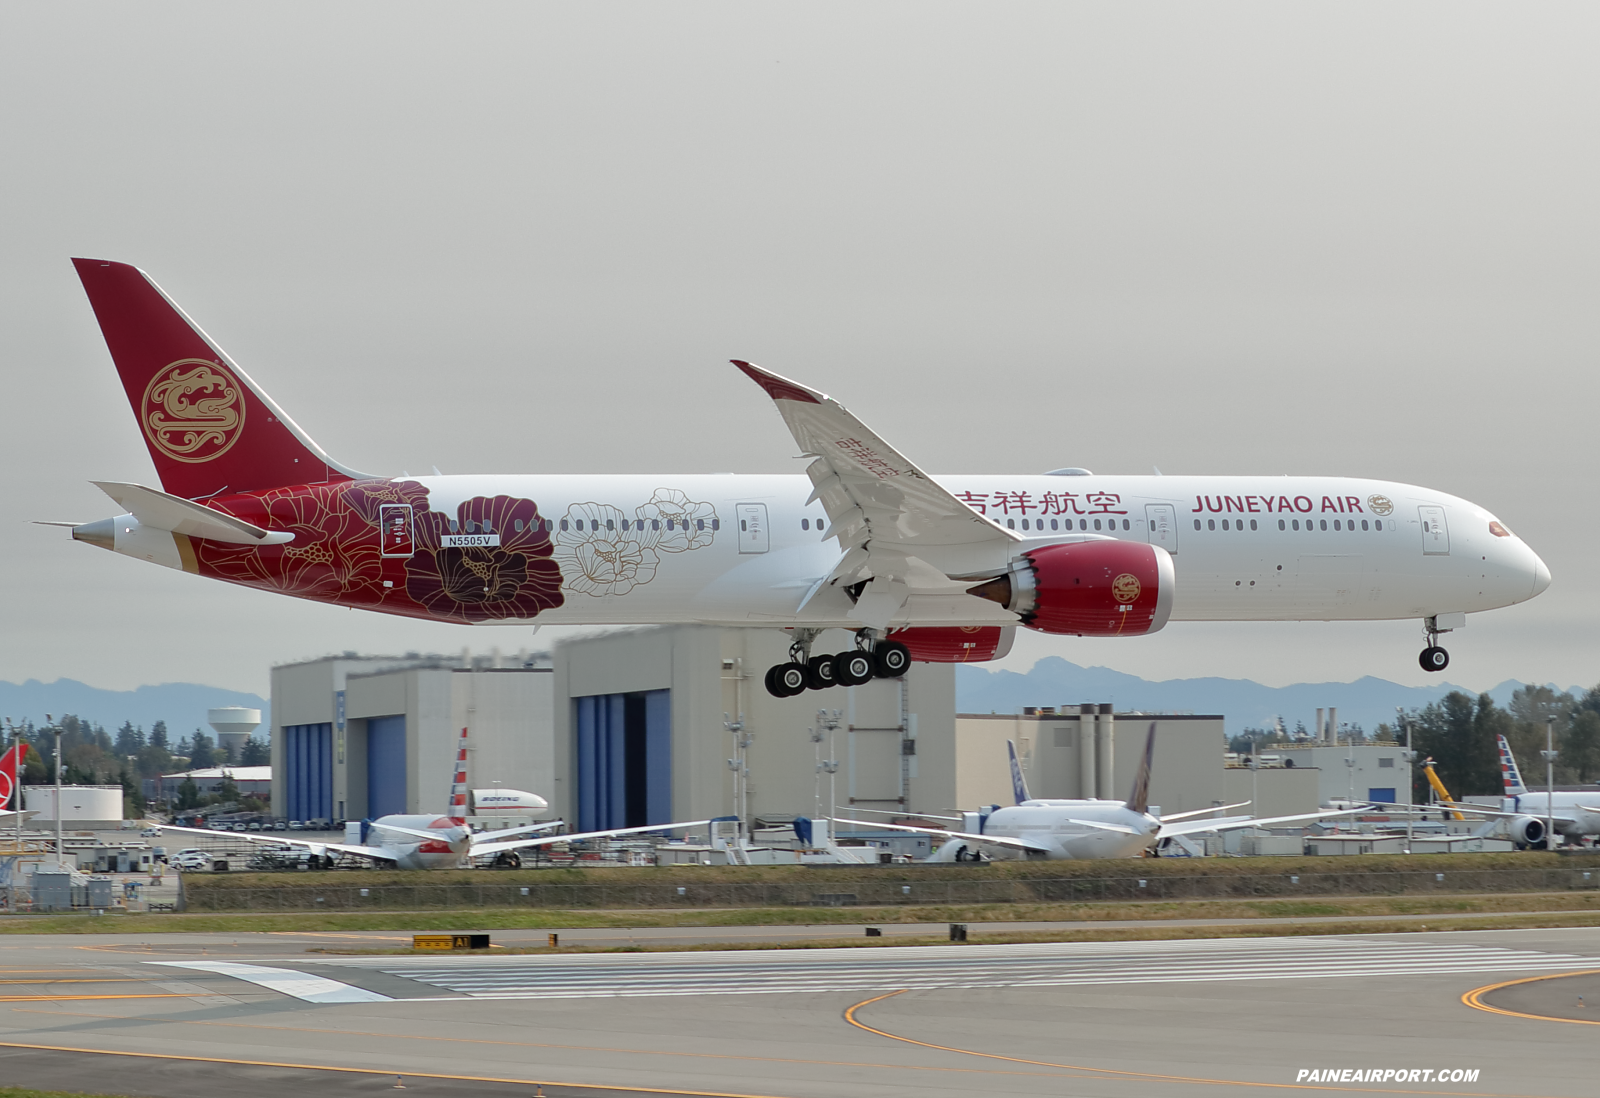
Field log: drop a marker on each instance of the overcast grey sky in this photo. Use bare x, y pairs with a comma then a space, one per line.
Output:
1285, 238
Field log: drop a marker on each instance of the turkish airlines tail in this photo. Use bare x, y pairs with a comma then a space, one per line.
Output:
11, 764
458, 785
1509, 774
1139, 798
209, 428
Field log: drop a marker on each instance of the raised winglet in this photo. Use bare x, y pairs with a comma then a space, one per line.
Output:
779, 388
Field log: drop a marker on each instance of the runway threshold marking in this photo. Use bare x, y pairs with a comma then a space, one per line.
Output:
74, 998
387, 1072
575, 1048
850, 1016
1474, 998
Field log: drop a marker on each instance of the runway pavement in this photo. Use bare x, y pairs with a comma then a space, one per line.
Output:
1178, 1018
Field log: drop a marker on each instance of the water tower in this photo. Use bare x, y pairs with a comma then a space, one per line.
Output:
233, 725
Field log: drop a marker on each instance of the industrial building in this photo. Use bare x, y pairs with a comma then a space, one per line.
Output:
358, 737
85, 807
251, 781
1090, 751
642, 732
620, 729
640, 726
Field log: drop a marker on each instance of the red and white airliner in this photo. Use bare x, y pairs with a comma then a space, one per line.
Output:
918, 567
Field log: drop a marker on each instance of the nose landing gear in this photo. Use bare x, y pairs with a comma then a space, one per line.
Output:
1433, 657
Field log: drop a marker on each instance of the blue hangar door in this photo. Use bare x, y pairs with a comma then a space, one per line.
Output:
308, 771
624, 755
386, 766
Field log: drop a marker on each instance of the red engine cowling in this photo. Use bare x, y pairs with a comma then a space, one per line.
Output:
1100, 588
956, 643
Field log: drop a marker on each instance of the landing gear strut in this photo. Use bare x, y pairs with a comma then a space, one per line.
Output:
1433, 657
873, 657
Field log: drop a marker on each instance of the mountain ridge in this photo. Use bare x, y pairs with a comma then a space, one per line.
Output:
1367, 701
182, 705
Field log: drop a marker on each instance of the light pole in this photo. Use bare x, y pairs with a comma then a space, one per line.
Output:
61, 851
1549, 781
741, 771
1410, 757
828, 720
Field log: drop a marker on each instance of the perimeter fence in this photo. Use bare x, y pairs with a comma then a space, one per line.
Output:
336, 895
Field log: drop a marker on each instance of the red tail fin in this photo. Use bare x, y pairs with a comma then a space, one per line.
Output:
10, 764
209, 428
458, 784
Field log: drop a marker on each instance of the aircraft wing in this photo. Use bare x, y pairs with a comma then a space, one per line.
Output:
897, 527
509, 832
1477, 810
314, 847
518, 844
1234, 823
997, 840
1176, 816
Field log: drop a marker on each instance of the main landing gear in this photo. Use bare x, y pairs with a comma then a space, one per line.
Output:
872, 658
1433, 657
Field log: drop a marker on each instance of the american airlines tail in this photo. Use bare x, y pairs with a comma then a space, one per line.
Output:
1139, 798
1509, 774
209, 428
457, 812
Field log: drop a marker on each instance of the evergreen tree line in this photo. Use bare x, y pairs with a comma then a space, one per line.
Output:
92, 756
1459, 733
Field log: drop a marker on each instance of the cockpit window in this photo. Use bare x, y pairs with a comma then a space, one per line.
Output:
1497, 530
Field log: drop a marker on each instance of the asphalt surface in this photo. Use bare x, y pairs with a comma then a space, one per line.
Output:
258, 1014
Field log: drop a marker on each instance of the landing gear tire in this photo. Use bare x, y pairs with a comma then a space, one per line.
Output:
789, 680
1434, 658
852, 668
508, 859
771, 681
819, 672
890, 659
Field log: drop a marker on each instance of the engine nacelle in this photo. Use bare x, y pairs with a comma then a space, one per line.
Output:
1102, 588
1526, 830
956, 643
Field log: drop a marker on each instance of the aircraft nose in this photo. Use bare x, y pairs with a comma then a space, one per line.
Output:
1541, 575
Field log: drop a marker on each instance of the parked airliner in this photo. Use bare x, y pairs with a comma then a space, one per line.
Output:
444, 841
939, 569
1055, 829
1529, 814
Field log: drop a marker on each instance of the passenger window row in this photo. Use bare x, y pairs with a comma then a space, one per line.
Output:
1286, 524
1083, 524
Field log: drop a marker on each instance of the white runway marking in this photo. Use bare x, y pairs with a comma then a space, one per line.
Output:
313, 989
1044, 965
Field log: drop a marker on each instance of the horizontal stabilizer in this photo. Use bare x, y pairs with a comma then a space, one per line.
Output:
161, 511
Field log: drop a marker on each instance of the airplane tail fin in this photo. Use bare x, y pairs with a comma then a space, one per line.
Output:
1509, 774
209, 428
10, 765
457, 811
1019, 784
1139, 798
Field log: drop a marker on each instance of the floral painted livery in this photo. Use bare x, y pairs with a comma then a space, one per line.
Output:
602, 551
